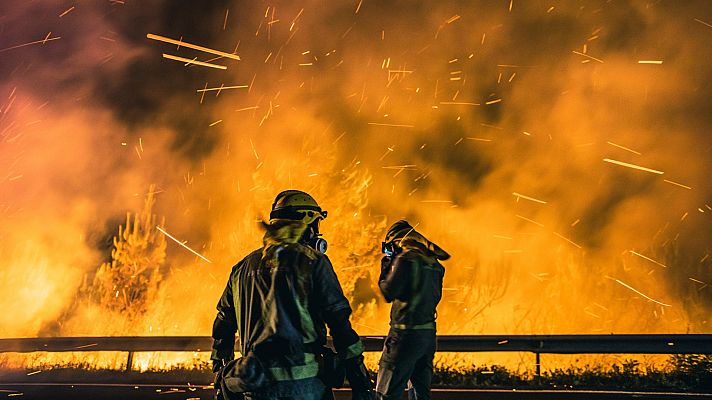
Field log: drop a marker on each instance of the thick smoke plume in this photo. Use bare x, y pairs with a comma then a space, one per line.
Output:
558, 150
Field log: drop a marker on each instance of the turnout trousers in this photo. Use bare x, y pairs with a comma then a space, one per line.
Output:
407, 359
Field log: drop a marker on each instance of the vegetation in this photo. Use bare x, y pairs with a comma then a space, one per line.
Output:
129, 283
684, 373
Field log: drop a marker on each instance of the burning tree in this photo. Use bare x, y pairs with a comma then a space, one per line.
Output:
130, 281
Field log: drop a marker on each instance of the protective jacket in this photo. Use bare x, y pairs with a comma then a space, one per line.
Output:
412, 280
279, 299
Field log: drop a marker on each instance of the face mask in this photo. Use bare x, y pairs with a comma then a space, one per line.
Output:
314, 240
318, 244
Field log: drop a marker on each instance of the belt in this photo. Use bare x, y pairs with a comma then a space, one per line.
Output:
427, 325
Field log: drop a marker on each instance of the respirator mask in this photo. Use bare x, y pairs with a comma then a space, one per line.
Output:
313, 238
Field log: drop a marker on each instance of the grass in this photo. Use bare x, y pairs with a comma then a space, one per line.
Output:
684, 373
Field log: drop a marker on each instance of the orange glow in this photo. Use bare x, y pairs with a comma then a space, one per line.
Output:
380, 115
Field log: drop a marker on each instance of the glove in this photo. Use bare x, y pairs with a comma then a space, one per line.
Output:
222, 392
359, 379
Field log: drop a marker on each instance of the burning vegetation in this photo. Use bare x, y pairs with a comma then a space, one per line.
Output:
558, 150
129, 283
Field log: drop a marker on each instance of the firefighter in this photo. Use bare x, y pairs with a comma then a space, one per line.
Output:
411, 278
279, 300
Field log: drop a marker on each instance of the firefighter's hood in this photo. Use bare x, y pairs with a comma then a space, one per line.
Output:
405, 236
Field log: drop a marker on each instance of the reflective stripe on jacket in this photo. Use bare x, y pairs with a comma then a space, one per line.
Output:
279, 299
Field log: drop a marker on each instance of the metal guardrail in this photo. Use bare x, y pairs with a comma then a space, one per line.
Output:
537, 344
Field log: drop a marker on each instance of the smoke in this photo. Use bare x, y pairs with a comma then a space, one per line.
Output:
486, 123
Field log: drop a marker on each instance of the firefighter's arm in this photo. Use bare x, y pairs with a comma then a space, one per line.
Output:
395, 279
224, 329
336, 311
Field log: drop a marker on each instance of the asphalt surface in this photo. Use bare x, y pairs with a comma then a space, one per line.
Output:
81, 391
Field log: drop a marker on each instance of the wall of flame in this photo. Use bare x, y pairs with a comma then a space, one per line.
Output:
486, 123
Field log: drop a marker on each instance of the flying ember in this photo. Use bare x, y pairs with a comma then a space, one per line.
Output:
482, 123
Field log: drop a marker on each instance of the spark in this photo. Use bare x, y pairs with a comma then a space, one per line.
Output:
568, 240
254, 150
192, 46
294, 21
358, 7
34, 373
406, 166
638, 292
650, 62
677, 184
182, 244
221, 88
703, 23
408, 233
493, 101
479, 139
624, 164
623, 147
587, 56
515, 66
452, 19
647, 258
503, 342
66, 12
521, 196
87, 345
458, 103
216, 122
697, 280
188, 61
248, 108
529, 220
394, 125
492, 126
227, 12
43, 41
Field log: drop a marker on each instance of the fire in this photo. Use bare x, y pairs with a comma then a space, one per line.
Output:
380, 114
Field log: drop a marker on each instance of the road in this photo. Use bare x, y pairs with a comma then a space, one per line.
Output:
109, 391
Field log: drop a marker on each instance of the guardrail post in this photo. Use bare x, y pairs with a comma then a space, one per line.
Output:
538, 364
129, 362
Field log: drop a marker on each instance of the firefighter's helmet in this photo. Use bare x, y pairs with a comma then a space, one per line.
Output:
296, 205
